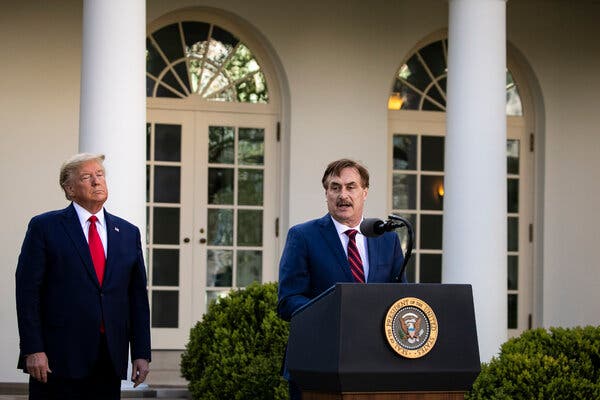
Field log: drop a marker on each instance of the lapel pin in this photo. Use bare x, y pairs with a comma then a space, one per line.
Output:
116, 229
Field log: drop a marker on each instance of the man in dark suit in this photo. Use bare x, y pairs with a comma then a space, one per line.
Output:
331, 249
81, 294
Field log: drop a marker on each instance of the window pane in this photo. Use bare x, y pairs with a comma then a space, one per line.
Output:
220, 186
513, 272
404, 195
147, 185
167, 184
432, 192
169, 79
431, 232
405, 152
513, 316
250, 187
212, 295
433, 55
165, 267
249, 267
431, 268
513, 195
417, 75
432, 156
403, 232
195, 32
148, 140
181, 70
411, 271
251, 147
220, 227
169, 41
166, 225
513, 234
167, 142
219, 268
512, 156
220, 144
154, 61
249, 232
165, 309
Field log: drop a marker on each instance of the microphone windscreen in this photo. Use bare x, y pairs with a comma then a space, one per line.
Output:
372, 227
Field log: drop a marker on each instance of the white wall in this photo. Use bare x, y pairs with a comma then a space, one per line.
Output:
559, 40
39, 114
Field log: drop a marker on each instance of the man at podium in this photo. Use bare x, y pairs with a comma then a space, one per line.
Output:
331, 249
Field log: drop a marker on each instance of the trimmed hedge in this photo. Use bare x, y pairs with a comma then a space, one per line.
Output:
236, 351
555, 364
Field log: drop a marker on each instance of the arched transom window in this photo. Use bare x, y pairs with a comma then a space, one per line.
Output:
421, 82
198, 58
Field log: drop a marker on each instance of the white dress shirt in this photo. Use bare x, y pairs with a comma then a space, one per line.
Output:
84, 215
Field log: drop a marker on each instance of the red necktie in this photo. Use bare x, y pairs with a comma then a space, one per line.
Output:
356, 266
96, 249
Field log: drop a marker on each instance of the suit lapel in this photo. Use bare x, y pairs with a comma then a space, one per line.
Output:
73, 228
372, 251
112, 237
332, 240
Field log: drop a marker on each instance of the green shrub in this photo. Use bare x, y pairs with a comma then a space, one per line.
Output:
556, 364
236, 351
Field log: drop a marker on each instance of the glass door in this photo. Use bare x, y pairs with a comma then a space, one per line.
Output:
211, 208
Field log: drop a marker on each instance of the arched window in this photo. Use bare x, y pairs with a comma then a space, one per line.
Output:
421, 82
198, 58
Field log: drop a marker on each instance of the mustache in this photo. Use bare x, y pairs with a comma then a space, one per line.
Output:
343, 203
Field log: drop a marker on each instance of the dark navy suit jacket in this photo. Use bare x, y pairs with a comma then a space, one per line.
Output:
60, 304
314, 260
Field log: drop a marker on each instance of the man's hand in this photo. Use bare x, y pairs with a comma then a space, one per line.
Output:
140, 369
37, 366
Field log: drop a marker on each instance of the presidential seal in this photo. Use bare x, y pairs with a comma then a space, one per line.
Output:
411, 327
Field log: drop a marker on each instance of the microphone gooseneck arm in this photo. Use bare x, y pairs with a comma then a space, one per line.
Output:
397, 222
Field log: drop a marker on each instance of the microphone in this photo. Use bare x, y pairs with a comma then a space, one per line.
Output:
373, 227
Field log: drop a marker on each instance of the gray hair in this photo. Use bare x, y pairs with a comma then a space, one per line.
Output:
71, 167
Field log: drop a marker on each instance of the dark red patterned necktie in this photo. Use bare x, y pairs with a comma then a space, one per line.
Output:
96, 249
356, 266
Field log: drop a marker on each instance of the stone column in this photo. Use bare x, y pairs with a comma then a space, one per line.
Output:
112, 116
475, 224
113, 100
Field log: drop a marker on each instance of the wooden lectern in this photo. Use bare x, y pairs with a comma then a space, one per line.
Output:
343, 345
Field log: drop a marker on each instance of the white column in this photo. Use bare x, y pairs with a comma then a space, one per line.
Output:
475, 222
113, 100
112, 116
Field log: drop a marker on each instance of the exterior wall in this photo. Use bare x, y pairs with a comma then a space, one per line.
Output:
39, 113
560, 42
339, 61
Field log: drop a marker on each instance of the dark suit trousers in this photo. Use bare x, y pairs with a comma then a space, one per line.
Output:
102, 384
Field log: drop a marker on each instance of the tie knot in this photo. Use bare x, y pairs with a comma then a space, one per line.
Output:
93, 219
351, 233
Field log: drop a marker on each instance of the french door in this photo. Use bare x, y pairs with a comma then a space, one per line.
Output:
417, 181
211, 212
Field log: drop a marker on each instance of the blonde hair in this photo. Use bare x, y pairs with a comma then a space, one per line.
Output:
70, 168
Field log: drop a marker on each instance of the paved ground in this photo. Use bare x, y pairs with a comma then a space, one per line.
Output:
154, 393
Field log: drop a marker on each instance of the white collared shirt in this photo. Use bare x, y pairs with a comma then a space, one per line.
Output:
361, 243
84, 215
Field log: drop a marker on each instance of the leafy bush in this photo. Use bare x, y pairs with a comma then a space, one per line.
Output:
236, 351
556, 364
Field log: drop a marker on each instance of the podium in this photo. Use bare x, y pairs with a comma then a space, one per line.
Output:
353, 342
